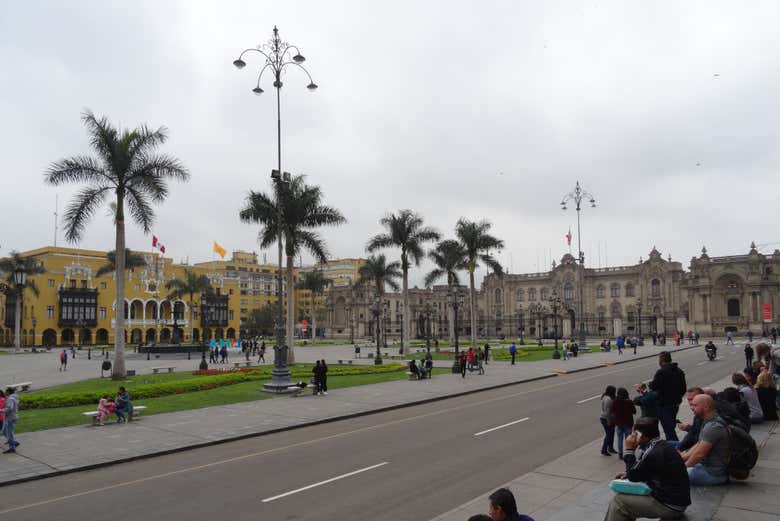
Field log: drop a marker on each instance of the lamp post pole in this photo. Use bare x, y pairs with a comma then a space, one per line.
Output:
20, 280
639, 320
278, 56
555, 305
34, 323
578, 195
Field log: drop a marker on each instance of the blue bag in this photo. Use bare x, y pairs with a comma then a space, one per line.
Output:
624, 486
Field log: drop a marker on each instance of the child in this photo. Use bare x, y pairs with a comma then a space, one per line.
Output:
105, 408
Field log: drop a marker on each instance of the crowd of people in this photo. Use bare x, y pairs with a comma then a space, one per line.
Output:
716, 446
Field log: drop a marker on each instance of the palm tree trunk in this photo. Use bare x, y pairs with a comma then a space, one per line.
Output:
314, 321
290, 309
407, 313
118, 372
450, 320
18, 319
192, 322
471, 309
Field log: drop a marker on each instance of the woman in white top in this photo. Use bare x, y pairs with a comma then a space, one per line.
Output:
607, 447
750, 396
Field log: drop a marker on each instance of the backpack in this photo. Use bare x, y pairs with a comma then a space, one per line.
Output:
743, 452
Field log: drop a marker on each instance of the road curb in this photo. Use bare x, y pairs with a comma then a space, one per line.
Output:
93, 466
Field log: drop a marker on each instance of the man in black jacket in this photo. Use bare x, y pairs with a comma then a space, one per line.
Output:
669, 383
661, 467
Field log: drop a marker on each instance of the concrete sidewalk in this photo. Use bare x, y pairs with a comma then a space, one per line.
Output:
56, 451
574, 487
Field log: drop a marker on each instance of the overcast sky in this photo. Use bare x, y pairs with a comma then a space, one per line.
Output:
666, 111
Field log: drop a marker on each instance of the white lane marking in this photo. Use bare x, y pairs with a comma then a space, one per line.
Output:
320, 483
521, 420
337, 435
704, 362
589, 399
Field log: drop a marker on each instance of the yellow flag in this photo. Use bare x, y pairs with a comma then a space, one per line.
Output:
219, 249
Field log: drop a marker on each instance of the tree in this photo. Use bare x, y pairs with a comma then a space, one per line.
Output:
316, 282
29, 266
405, 231
129, 167
293, 212
477, 243
132, 260
378, 272
449, 257
190, 284
261, 321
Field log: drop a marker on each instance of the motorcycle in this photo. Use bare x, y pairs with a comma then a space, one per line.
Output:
712, 352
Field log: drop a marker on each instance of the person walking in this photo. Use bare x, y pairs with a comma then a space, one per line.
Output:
10, 415
64, 360
565, 351
669, 383
729, 338
223, 353
634, 343
750, 336
463, 364
748, 356
623, 412
324, 377
607, 446
261, 354
620, 342
429, 365
513, 352
487, 352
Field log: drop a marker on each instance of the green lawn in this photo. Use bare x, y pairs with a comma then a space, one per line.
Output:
41, 419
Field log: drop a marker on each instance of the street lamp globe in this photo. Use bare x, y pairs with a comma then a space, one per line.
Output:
257, 90
298, 58
20, 277
239, 63
312, 86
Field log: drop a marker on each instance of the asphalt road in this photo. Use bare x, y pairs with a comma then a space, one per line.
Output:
409, 464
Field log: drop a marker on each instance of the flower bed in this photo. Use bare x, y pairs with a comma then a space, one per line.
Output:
208, 380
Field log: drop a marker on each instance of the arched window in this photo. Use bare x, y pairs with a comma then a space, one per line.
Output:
568, 292
520, 295
616, 311
732, 307
629, 290
655, 288
498, 295
532, 294
614, 290
601, 291
545, 294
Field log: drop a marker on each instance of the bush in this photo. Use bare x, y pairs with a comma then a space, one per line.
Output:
209, 380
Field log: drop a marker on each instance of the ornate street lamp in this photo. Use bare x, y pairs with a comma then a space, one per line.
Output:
639, 320
578, 196
20, 281
427, 311
278, 57
555, 305
34, 323
376, 311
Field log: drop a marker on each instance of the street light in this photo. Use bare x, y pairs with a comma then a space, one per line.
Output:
375, 310
455, 299
278, 57
427, 311
578, 196
555, 305
34, 323
639, 319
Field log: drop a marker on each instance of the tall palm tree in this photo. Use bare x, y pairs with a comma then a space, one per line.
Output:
477, 243
378, 272
132, 260
316, 282
128, 166
293, 211
190, 284
29, 266
404, 230
449, 257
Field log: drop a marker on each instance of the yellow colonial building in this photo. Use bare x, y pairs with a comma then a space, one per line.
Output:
75, 306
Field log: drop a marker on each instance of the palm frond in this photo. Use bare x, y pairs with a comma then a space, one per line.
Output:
103, 136
140, 209
80, 211
377, 242
314, 244
76, 170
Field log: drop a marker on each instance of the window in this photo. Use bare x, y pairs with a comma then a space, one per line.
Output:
544, 294
230, 291
601, 291
102, 313
568, 292
72, 283
497, 295
152, 288
733, 307
51, 283
243, 310
102, 285
630, 317
629, 290
614, 290
520, 295
230, 314
49, 311
532, 294
137, 287
655, 288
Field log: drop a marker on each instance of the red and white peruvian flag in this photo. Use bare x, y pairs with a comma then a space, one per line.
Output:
157, 244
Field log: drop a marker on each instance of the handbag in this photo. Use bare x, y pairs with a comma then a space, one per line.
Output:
625, 486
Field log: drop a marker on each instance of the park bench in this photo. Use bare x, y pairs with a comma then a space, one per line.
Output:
237, 365
21, 386
342, 362
94, 414
156, 370
298, 390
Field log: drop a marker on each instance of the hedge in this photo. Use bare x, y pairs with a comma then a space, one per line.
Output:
46, 400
